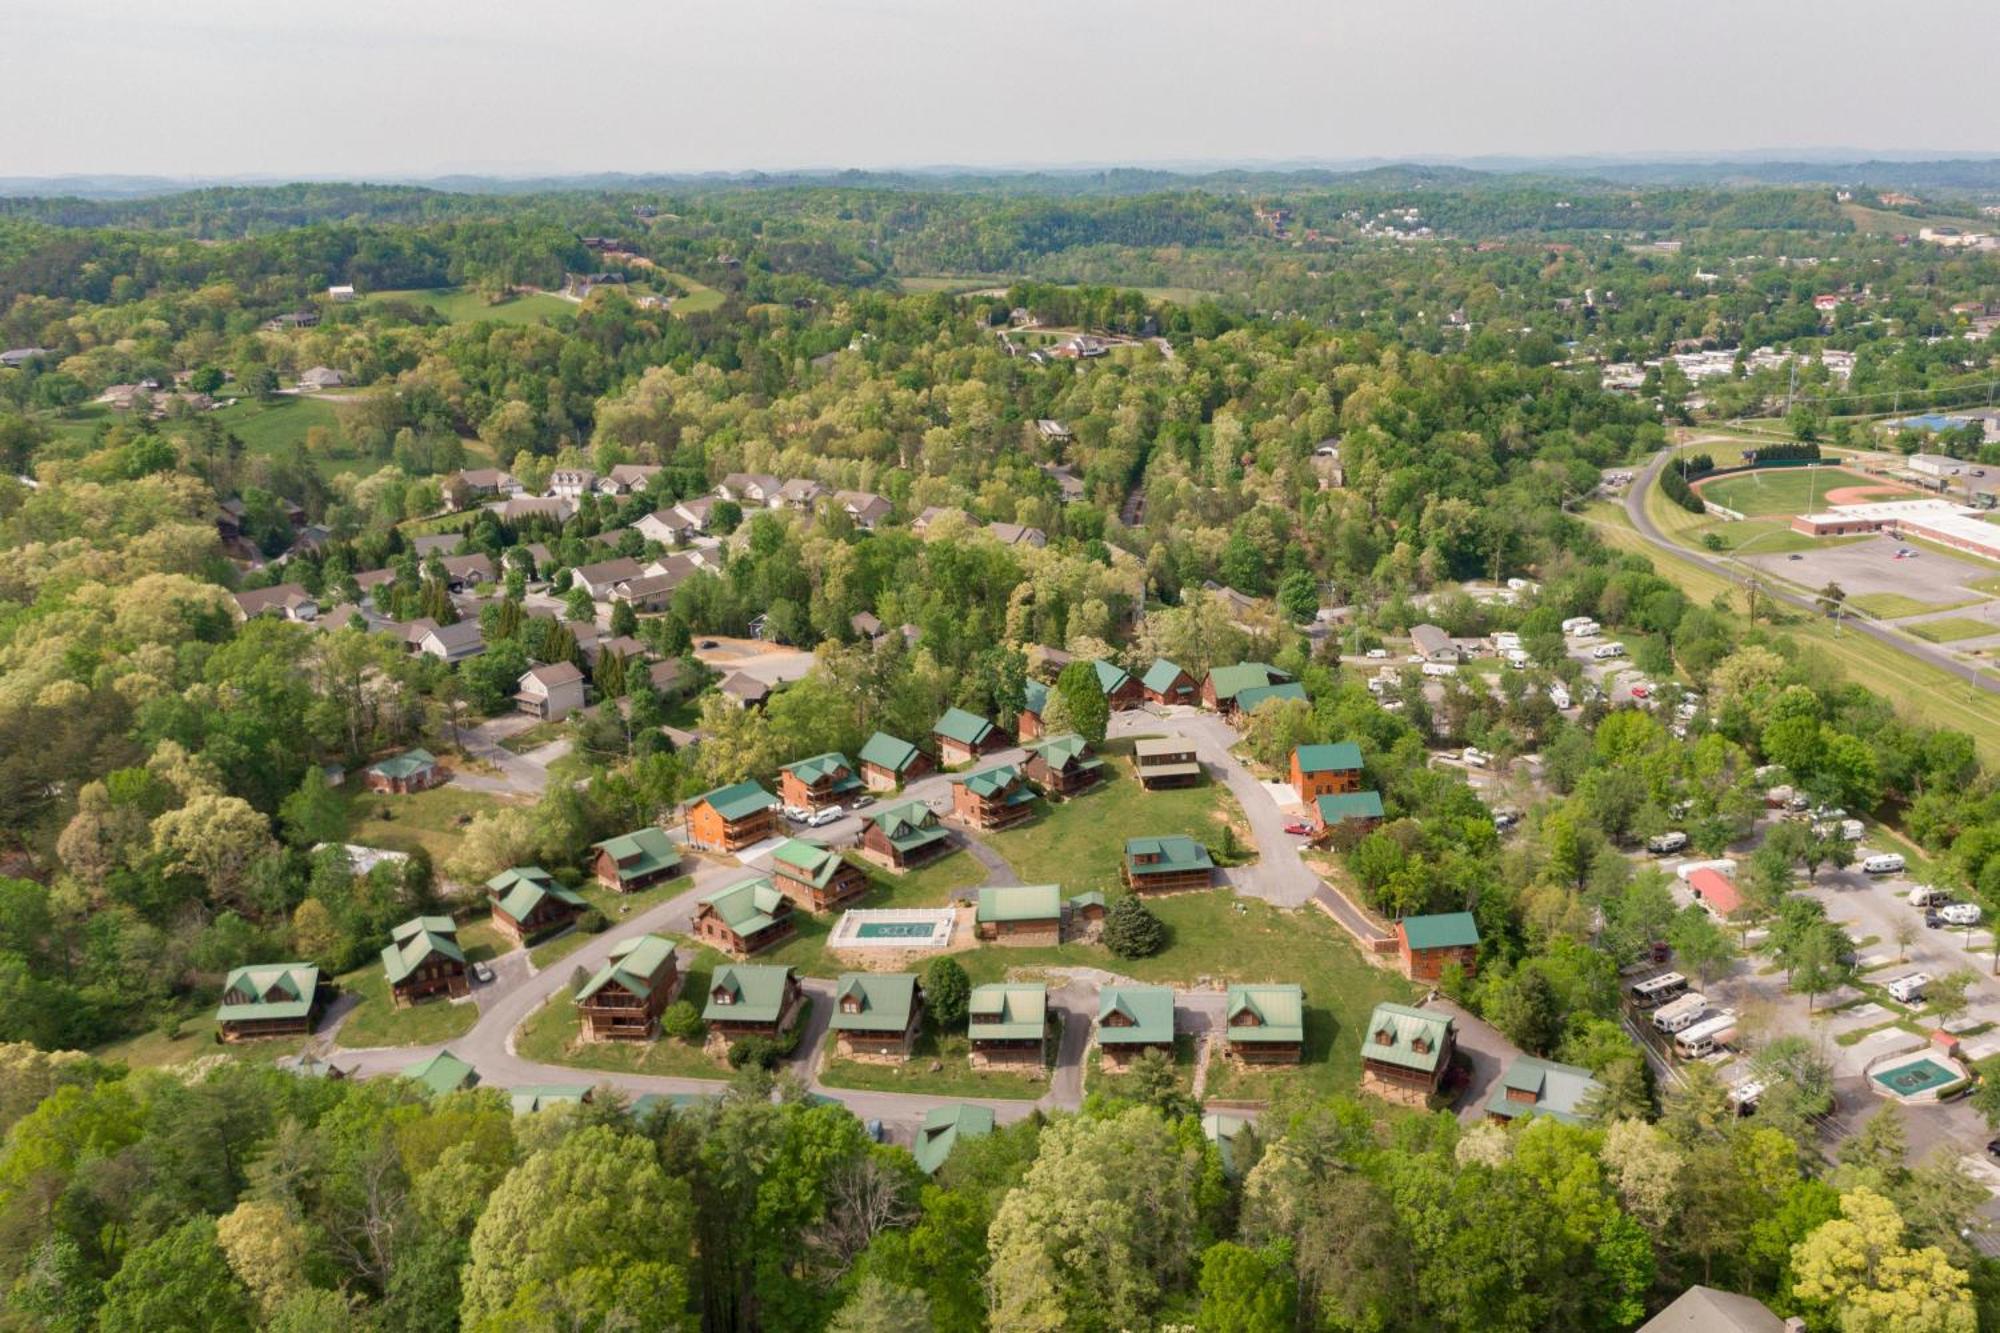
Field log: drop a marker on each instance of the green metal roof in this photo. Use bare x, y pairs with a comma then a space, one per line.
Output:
1160, 676
755, 993
418, 940
1559, 1090
963, 727
1340, 757
739, 800
641, 853
631, 965
909, 825
886, 751
943, 1128
1349, 805
1060, 751
442, 1073
812, 863
541, 1096
1034, 698
1008, 1011
1177, 853
278, 991
1020, 902
1091, 899
405, 765
820, 767
747, 906
1280, 1011
1402, 1026
886, 1000
1110, 676
989, 783
1151, 1009
505, 882
1230, 681
1259, 694
527, 895
1446, 930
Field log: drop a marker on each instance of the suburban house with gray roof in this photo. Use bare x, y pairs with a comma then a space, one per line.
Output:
452, 643
1266, 1024
876, 1015
1707, 1310
423, 959
751, 1000
816, 878
1028, 914
273, 1000
527, 902
1434, 644
1406, 1053
888, 762
623, 1001
550, 692
636, 860
1008, 1023
1132, 1020
747, 917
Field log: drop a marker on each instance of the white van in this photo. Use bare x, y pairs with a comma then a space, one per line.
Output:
1928, 895
1910, 989
1666, 844
1851, 830
1883, 863
1706, 1037
1604, 650
1679, 1015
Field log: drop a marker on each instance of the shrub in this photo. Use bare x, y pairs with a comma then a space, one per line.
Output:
682, 1020
592, 922
1132, 931
760, 1052
947, 991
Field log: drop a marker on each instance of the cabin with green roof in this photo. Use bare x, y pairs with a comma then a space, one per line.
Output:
1121, 689
815, 783
269, 1000
1348, 813
1165, 683
888, 762
1028, 914
528, 902
816, 878
944, 1128
411, 771
441, 1074
1008, 1023
961, 737
904, 835
1132, 1020
624, 999
423, 959
1326, 770
752, 1000
1266, 1024
1063, 765
1247, 700
1429, 944
636, 860
995, 798
747, 917
1542, 1087
1223, 689
1165, 761
1167, 864
541, 1096
1034, 702
1406, 1053
876, 1014
731, 818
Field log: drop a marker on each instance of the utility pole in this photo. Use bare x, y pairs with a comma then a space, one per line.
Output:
1791, 390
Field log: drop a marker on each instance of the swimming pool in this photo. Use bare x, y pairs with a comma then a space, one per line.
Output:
894, 930
1916, 1077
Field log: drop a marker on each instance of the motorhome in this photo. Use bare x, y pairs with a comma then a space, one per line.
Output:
1883, 863
1604, 650
1558, 695
1517, 659
1706, 1037
1928, 895
1745, 1095
1656, 991
1679, 1015
1440, 669
1578, 624
1506, 641
1666, 844
1960, 914
1910, 989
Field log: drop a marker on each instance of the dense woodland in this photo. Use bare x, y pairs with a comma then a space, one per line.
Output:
161, 781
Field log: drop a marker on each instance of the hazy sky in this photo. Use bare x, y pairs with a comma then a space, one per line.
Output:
410, 87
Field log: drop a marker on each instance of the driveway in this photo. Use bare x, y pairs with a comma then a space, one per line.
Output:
513, 774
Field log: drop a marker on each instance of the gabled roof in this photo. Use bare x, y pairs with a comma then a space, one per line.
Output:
990, 783
1279, 1010
1716, 889
553, 675
1160, 676
632, 965
1349, 805
1020, 902
1404, 1026
886, 751
1706, 1310
747, 906
756, 993
1110, 676
505, 882
908, 825
742, 685
1150, 1009
1176, 853
942, 1129
1008, 1011
280, 990
887, 1001
1257, 694
820, 767
1061, 751
1034, 697
1443, 930
417, 941
963, 727
739, 800
1339, 757
455, 636
642, 852
1558, 1090
526, 893
442, 1073
541, 1096
807, 861
405, 765
1230, 681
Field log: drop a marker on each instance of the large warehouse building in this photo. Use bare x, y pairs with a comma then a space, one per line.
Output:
1937, 521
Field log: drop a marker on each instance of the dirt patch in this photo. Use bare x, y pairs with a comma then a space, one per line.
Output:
1854, 495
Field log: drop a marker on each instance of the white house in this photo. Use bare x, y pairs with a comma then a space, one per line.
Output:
667, 527
750, 488
599, 579
551, 692
572, 483
454, 642
625, 478
340, 294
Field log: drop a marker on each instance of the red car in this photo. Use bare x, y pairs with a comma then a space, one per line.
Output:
1640, 692
1300, 827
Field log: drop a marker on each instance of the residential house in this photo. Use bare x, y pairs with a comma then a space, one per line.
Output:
572, 483
272, 1000
877, 1014
624, 478
866, 625
550, 692
695, 512
731, 818
1716, 892
997, 798
520, 508
816, 878
1034, 701
1055, 432
799, 493
599, 579
747, 917
1121, 689
452, 643
1326, 770
1029, 914
1167, 864
1433, 644
961, 737
636, 860
1224, 684
402, 774
1247, 700
1707, 1310
1431, 943
423, 959
288, 600
634, 651
442, 1074
1165, 761
752, 1000
624, 999
744, 690
528, 902
667, 527
16, 357
750, 489
648, 592
1062, 765
823, 780
1405, 1053
1069, 486
1013, 534
944, 1128
340, 293
541, 1096
1047, 663
468, 571
473, 484
1541, 1087
1132, 1020
931, 515
1354, 811
904, 835
1266, 1024
321, 377
1008, 1023
866, 508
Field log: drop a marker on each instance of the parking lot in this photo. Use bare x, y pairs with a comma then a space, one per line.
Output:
1868, 566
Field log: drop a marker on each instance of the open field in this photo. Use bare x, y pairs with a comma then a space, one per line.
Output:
957, 1077
1790, 491
433, 820
955, 283
467, 307
376, 1021
700, 297
1883, 222
153, 1049
1894, 605
1950, 629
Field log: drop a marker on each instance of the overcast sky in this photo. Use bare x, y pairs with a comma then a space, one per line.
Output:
414, 87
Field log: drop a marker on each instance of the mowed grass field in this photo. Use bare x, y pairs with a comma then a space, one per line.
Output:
461, 306
1950, 629
700, 297
1787, 492
1894, 605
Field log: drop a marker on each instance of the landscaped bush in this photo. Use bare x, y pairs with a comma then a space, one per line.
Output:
1132, 931
682, 1020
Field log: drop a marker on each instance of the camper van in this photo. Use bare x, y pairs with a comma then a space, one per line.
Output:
1517, 659
1440, 669
1575, 623
1682, 1014
1883, 863
1666, 844
1928, 895
1745, 1095
1706, 1037
1558, 695
1656, 991
1910, 989
1604, 650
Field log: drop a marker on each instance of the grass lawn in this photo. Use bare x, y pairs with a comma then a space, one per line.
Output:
465, 307
1894, 605
1096, 1078
1080, 843
376, 1021
617, 906
434, 819
700, 297
957, 1077
550, 1036
482, 943
1786, 491
932, 886
1950, 629
558, 947
1989, 584
153, 1049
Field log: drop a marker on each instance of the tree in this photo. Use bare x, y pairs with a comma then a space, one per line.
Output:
682, 1021
315, 812
624, 620
1946, 996
178, 1283
216, 837
266, 1249
1699, 943
947, 991
1132, 931
1246, 1291
878, 1306
1856, 1270
578, 606
316, 935
1298, 596
1087, 710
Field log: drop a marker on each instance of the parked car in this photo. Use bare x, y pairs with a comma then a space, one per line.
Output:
823, 816
1642, 690
482, 974
861, 802
1795, 556
1932, 921
708, 643
798, 814
1376, 654
1299, 827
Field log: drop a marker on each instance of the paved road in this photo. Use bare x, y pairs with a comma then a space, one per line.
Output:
513, 775
1943, 659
